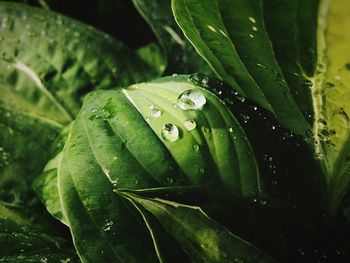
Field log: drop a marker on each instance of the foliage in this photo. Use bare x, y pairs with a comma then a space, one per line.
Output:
108, 155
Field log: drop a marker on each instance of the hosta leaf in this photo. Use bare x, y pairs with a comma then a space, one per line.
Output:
294, 45
153, 55
231, 36
179, 55
140, 137
264, 51
201, 237
25, 245
48, 62
331, 92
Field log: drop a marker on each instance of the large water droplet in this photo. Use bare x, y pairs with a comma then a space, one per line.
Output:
191, 100
170, 132
190, 125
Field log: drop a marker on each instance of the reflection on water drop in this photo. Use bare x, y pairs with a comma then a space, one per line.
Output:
170, 132
191, 100
190, 125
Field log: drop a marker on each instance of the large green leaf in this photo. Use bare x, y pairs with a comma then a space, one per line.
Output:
48, 62
163, 133
331, 90
300, 73
231, 36
25, 245
201, 237
45, 184
179, 55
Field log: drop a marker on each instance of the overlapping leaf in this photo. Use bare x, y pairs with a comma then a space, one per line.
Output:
135, 138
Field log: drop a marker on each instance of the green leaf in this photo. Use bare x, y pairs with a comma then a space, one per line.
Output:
136, 138
231, 36
179, 55
25, 245
48, 63
331, 90
45, 185
294, 45
201, 237
153, 56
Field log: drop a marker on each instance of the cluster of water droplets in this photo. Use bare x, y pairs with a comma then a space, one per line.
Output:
192, 99
4, 157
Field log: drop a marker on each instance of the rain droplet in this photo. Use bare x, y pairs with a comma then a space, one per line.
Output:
170, 132
156, 113
191, 100
206, 129
170, 180
260, 65
196, 147
230, 129
252, 19
189, 125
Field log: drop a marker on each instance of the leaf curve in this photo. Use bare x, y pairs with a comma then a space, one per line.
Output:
118, 141
230, 41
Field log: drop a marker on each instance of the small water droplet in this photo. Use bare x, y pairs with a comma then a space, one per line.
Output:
156, 113
230, 129
252, 19
260, 65
206, 129
255, 28
191, 100
170, 180
196, 147
108, 225
170, 132
189, 124
201, 170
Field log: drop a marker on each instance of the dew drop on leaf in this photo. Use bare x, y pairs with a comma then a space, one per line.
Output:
156, 113
170, 132
196, 147
191, 100
170, 180
189, 125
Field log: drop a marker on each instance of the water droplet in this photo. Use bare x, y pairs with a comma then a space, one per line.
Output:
251, 35
230, 129
252, 19
255, 28
199, 79
189, 124
191, 100
260, 65
170, 132
107, 226
211, 28
156, 113
196, 147
206, 129
170, 180
201, 170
